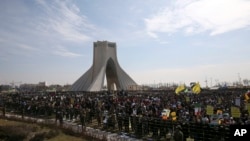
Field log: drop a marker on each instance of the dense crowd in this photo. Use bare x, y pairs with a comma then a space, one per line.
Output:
140, 113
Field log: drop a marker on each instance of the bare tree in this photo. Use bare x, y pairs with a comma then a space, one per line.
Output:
246, 82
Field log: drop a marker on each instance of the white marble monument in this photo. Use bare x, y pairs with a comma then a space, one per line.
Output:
104, 63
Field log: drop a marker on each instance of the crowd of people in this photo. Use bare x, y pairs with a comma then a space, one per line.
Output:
141, 113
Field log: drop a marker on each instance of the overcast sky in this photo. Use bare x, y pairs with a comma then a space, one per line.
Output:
158, 41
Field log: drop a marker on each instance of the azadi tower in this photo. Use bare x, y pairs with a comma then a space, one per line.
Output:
104, 63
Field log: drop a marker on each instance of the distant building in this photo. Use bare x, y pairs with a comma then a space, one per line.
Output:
5, 88
134, 87
41, 86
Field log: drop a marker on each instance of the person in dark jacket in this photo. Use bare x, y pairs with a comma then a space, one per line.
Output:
120, 121
178, 134
83, 119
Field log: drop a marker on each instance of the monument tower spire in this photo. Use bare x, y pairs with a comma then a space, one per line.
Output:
105, 62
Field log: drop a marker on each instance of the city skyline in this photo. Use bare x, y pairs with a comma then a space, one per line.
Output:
178, 41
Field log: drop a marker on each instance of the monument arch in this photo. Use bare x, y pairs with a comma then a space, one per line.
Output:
105, 63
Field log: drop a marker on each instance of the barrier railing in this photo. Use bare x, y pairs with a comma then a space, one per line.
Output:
140, 129
96, 134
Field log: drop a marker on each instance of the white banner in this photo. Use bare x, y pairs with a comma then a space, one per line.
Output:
237, 101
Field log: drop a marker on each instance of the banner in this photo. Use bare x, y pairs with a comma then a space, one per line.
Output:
72, 100
210, 110
219, 100
189, 139
248, 107
165, 114
235, 112
237, 101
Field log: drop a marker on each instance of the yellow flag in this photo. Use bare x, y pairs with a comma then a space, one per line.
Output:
173, 115
180, 89
246, 96
196, 88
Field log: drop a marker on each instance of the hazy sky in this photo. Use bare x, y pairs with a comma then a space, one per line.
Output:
158, 41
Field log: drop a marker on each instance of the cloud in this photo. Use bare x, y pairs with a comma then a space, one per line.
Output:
61, 51
196, 16
2, 40
26, 47
11, 49
64, 18
151, 34
40, 26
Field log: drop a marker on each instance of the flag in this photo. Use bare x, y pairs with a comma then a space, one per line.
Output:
197, 109
246, 96
180, 88
173, 115
196, 88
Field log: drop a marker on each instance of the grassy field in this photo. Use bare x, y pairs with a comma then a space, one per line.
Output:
21, 131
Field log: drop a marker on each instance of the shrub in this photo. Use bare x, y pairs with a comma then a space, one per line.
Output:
12, 133
38, 137
51, 134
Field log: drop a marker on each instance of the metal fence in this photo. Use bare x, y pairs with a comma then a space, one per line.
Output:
138, 128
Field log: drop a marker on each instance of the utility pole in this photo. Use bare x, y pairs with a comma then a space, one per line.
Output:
239, 78
206, 82
211, 82
13, 84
